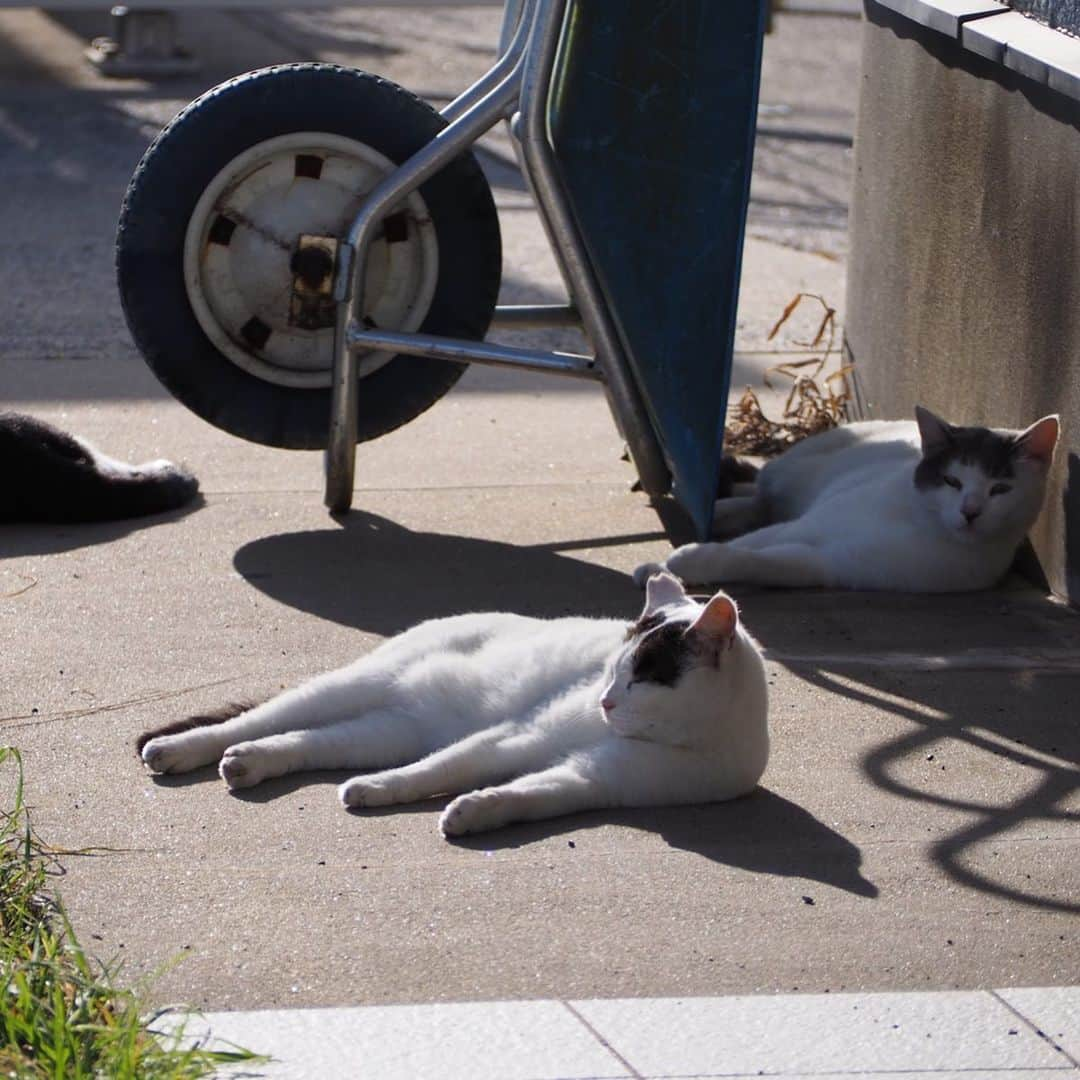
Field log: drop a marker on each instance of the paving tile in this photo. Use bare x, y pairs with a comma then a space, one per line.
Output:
1053, 1010
932, 1074
509, 1040
945, 16
817, 1033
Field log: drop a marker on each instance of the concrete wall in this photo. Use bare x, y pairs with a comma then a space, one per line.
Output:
964, 281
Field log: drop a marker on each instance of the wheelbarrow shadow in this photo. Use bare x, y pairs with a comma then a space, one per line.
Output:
371, 573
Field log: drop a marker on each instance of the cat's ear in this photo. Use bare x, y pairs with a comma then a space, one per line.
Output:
718, 620
934, 432
661, 589
1038, 441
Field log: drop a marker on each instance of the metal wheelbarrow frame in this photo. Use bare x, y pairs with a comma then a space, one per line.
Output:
518, 89
246, 287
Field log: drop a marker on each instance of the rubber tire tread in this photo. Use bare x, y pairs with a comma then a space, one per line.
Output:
195, 147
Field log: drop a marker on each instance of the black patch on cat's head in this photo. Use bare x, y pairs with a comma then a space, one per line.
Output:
644, 625
664, 652
992, 452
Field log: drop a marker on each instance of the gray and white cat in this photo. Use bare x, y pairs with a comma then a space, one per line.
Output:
520, 718
918, 506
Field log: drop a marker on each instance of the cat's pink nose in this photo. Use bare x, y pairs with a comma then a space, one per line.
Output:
607, 704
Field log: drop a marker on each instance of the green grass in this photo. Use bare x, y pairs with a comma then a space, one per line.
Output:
61, 1016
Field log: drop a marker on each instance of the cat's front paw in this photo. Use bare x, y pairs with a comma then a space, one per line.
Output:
475, 812
646, 571
175, 754
243, 765
365, 791
698, 564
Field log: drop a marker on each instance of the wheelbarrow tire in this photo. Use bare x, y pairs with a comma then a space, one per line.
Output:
196, 147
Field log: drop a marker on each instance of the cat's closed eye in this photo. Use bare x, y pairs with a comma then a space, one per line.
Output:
953, 482
1000, 489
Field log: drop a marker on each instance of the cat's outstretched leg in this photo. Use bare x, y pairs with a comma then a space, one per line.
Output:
738, 514
481, 758
377, 740
114, 489
791, 565
330, 698
616, 772
560, 789
369, 683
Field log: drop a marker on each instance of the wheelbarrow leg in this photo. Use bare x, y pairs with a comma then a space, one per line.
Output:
528, 64
624, 397
476, 111
341, 441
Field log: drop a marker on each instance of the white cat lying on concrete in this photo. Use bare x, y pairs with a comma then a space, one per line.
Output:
918, 506
520, 718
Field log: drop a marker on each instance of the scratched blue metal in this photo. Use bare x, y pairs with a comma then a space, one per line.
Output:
653, 123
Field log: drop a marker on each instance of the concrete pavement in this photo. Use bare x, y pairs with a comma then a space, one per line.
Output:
917, 827
1025, 1034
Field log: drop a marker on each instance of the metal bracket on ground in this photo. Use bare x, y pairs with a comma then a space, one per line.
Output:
143, 44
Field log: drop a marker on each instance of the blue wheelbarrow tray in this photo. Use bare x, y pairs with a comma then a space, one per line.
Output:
652, 123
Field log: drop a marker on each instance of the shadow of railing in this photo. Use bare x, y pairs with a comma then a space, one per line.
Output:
1021, 731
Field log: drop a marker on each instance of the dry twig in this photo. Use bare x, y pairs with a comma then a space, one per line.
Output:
810, 407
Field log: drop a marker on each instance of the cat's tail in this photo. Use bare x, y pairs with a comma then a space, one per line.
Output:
209, 719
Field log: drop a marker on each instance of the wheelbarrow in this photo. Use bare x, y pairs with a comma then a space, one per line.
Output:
309, 256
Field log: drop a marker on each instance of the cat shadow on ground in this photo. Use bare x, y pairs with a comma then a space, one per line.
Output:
761, 832
47, 538
376, 575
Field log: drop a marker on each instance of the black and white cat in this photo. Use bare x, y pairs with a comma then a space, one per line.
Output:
520, 718
918, 506
52, 476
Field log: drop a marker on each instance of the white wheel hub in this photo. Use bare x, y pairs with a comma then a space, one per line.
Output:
245, 231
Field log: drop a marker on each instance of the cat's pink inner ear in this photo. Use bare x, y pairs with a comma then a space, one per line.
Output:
933, 431
1039, 440
719, 618
662, 588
